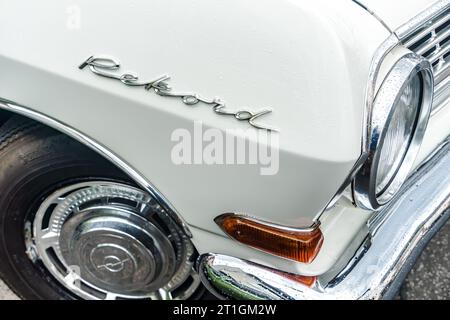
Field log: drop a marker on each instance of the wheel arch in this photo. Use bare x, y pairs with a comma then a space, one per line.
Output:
9, 109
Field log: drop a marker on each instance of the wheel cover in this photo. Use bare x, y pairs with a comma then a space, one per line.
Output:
104, 240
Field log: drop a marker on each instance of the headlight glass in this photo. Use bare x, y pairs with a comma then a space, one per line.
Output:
399, 133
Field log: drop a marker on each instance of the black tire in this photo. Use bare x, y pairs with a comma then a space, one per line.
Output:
35, 161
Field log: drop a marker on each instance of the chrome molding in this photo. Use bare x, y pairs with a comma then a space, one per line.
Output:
228, 277
103, 65
380, 54
347, 182
397, 38
407, 67
394, 241
428, 35
378, 268
100, 149
421, 19
387, 46
373, 14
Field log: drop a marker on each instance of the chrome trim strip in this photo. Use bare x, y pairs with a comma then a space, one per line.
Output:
420, 20
232, 278
428, 28
408, 66
380, 264
442, 102
348, 182
100, 149
382, 51
384, 24
433, 41
387, 46
398, 37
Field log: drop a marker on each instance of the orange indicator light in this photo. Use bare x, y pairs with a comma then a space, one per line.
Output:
299, 245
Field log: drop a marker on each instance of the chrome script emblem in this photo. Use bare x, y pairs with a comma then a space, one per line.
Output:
112, 264
102, 66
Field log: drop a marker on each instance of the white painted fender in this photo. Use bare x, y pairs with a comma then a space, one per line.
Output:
307, 60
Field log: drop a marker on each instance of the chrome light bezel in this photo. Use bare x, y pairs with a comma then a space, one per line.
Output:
364, 186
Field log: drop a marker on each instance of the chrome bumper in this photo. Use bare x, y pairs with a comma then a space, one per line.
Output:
397, 236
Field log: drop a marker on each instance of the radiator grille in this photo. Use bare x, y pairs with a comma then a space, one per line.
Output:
432, 41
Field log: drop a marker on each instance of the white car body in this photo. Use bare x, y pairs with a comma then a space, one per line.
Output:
309, 61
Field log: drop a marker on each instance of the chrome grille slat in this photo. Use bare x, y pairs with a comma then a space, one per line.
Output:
432, 41
424, 32
442, 71
439, 54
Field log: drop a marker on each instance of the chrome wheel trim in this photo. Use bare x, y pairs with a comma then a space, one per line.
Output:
105, 240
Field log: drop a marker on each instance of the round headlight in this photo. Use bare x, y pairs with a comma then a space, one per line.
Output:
398, 133
396, 127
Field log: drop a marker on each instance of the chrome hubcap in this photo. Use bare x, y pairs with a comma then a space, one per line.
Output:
105, 240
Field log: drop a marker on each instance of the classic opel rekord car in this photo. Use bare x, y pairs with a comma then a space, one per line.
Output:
254, 149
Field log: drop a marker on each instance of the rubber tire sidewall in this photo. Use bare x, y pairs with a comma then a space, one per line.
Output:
30, 169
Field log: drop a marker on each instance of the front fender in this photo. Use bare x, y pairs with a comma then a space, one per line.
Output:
308, 61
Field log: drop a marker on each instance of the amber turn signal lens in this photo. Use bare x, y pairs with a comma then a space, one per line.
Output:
308, 281
301, 246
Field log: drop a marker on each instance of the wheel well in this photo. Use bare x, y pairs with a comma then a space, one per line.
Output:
4, 116
96, 148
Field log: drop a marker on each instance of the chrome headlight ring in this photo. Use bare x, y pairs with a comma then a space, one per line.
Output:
408, 68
